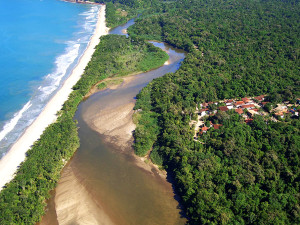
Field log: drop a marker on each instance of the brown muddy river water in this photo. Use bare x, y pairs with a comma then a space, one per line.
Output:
104, 183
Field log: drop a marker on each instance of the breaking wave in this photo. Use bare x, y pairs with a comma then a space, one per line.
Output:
50, 84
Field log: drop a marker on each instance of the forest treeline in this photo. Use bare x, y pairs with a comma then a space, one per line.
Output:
22, 201
240, 173
119, 12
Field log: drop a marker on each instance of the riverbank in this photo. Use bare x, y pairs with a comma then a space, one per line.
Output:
10, 162
97, 167
114, 120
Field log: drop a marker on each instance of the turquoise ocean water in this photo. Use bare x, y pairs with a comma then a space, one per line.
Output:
40, 43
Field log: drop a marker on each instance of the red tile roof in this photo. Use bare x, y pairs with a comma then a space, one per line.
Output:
248, 120
223, 108
204, 128
238, 103
248, 106
260, 98
229, 101
239, 111
217, 126
246, 100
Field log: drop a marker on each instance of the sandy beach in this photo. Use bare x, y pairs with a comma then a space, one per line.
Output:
10, 162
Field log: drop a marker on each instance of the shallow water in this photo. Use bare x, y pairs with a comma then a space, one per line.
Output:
118, 188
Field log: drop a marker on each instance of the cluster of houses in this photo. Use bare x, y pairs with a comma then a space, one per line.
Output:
245, 107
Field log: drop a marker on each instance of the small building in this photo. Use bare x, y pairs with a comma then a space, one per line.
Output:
229, 101
260, 98
246, 100
248, 120
239, 111
204, 112
251, 112
238, 103
249, 106
204, 129
217, 126
223, 108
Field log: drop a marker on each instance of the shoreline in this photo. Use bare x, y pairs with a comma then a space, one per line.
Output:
17, 153
83, 2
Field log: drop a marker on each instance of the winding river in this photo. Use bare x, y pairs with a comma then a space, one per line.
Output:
104, 183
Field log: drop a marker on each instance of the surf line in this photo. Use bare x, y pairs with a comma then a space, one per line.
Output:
10, 162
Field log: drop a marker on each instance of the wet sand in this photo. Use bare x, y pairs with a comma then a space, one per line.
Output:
80, 210
105, 183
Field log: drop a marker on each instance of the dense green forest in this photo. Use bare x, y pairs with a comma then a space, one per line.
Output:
120, 11
239, 174
22, 201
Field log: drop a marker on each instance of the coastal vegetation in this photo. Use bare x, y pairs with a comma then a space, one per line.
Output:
240, 173
119, 12
22, 201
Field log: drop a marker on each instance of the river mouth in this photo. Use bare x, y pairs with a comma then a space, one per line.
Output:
104, 182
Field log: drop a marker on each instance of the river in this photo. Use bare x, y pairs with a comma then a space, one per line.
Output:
104, 182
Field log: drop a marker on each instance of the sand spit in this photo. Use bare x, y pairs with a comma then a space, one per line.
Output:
115, 123
79, 210
10, 162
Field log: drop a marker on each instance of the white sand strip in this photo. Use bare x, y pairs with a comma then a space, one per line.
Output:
10, 162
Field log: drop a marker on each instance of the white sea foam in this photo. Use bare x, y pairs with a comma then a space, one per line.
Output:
63, 62
12, 123
50, 84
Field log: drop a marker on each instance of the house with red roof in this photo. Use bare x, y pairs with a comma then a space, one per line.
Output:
249, 106
204, 112
238, 103
223, 108
204, 129
248, 120
246, 100
239, 111
260, 98
217, 126
229, 102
